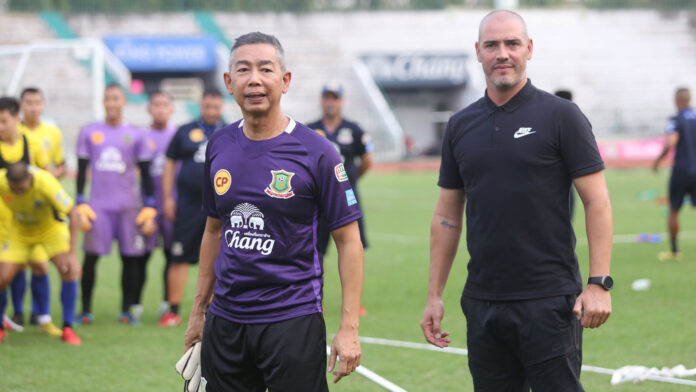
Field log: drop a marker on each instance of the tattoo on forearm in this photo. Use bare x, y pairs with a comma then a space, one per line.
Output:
448, 225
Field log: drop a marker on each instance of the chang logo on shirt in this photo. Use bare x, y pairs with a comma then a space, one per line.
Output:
345, 136
199, 156
280, 186
110, 160
246, 230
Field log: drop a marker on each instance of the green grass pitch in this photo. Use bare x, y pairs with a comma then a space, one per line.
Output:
649, 328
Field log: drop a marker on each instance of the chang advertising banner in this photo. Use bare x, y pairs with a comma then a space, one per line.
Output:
418, 70
164, 53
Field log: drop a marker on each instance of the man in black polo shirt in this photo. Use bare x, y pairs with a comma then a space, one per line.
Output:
510, 158
680, 136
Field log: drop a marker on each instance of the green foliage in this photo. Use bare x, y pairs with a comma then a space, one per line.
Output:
649, 328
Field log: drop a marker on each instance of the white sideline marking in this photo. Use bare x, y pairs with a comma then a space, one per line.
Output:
465, 352
374, 377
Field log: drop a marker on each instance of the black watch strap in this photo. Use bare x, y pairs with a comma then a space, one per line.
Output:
606, 282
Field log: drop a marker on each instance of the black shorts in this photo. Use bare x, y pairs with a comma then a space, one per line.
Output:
188, 233
287, 355
515, 345
681, 184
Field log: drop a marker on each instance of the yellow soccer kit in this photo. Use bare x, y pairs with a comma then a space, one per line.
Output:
36, 217
15, 153
50, 139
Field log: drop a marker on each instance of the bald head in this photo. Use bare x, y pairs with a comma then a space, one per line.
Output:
502, 15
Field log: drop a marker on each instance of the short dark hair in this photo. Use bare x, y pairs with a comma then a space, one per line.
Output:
9, 104
30, 90
114, 85
565, 94
212, 92
260, 38
17, 172
160, 92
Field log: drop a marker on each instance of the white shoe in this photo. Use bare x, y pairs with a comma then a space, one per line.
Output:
13, 326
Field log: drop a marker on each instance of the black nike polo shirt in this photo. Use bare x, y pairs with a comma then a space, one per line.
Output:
516, 163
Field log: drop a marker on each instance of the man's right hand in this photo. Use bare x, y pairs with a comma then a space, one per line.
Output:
194, 330
87, 216
170, 208
430, 323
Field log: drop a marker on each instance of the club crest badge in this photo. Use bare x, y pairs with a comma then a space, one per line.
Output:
196, 135
320, 131
280, 186
345, 136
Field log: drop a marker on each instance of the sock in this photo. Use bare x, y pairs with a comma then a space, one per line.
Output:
3, 304
129, 281
41, 293
675, 249
174, 308
89, 277
35, 305
17, 289
167, 263
68, 298
43, 319
141, 277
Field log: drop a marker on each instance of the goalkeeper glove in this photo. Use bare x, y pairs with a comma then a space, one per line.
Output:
87, 216
189, 367
146, 220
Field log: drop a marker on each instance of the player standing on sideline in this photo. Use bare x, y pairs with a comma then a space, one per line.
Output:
16, 147
159, 134
39, 204
680, 136
267, 179
354, 146
509, 159
112, 150
187, 148
50, 139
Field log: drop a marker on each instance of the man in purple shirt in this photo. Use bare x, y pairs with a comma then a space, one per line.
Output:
159, 134
267, 180
113, 150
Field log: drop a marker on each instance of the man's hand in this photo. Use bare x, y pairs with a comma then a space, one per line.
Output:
146, 220
87, 216
656, 166
593, 306
430, 323
345, 347
170, 208
189, 367
194, 330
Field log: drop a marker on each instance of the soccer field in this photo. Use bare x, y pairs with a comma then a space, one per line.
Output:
650, 328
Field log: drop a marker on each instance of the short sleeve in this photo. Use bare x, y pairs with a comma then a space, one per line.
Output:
450, 177
83, 150
174, 147
57, 152
671, 125
208, 205
62, 203
577, 143
337, 200
362, 141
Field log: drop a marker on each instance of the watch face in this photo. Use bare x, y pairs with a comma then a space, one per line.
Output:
608, 282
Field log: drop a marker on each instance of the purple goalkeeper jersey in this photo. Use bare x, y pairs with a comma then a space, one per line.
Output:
269, 195
159, 141
113, 153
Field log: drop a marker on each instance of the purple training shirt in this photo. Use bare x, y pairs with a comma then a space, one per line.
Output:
159, 140
113, 153
269, 195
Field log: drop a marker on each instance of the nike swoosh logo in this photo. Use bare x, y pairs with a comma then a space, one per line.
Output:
523, 132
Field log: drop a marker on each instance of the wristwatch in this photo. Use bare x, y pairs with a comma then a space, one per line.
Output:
605, 281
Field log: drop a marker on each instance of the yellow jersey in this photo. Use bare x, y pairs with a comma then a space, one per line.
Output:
41, 207
15, 152
50, 138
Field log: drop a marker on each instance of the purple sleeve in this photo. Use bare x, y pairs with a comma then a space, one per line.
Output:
83, 144
337, 199
449, 169
143, 150
208, 205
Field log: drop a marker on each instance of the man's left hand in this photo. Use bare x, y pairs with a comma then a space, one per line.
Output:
146, 220
593, 306
345, 347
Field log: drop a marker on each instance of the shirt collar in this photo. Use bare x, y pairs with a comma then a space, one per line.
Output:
510, 106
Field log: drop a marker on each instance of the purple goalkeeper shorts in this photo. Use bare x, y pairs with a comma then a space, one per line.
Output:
114, 225
165, 229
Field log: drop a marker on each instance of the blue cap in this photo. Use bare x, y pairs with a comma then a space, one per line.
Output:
333, 88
